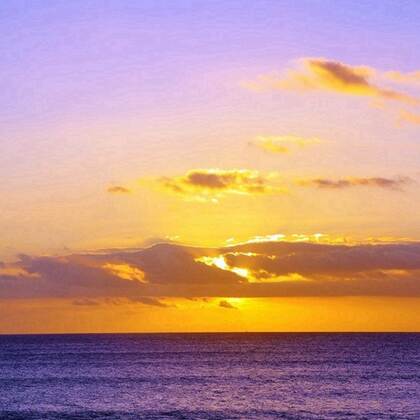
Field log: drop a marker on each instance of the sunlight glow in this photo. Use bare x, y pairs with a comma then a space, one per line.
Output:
220, 262
126, 272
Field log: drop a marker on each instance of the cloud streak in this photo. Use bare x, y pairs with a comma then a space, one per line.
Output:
345, 183
400, 77
283, 144
118, 189
150, 301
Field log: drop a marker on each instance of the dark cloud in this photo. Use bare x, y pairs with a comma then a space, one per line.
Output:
381, 182
227, 305
339, 71
85, 302
150, 301
264, 269
210, 183
341, 77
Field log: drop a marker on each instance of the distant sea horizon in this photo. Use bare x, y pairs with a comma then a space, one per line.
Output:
203, 332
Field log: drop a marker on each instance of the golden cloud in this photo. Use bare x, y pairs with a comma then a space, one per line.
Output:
329, 75
125, 271
11, 270
252, 275
211, 184
283, 144
219, 261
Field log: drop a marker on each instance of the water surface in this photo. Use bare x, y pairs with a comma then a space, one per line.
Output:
210, 376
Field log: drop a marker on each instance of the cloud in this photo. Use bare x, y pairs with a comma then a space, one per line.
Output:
211, 184
406, 78
118, 189
407, 116
85, 302
150, 301
343, 183
125, 271
253, 269
283, 144
320, 74
116, 301
11, 271
226, 304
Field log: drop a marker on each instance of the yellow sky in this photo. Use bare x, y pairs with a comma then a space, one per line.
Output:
304, 314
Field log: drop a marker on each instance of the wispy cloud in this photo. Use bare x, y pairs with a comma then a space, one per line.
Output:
85, 302
118, 189
150, 301
400, 77
283, 144
381, 182
410, 117
211, 184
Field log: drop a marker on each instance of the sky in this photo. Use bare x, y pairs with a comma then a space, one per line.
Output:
209, 166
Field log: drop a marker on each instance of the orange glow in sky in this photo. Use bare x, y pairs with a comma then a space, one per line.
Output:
166, 170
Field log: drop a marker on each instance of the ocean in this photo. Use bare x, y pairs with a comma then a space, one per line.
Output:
210, 376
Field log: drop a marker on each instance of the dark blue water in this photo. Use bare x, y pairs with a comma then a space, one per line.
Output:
210, 376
